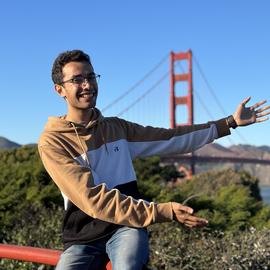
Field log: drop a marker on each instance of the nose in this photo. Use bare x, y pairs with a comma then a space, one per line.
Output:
86, 81
86, 84
89, 86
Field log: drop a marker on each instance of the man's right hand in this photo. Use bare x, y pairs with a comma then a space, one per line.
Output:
184, 215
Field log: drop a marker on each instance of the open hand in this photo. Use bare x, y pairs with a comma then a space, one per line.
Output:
248, 115
184, 215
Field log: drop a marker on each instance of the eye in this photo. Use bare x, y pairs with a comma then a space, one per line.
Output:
78, 80
91, 77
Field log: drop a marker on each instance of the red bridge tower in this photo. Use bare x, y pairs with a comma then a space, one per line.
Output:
182, 100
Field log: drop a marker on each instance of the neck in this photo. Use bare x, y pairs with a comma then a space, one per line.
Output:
80, 117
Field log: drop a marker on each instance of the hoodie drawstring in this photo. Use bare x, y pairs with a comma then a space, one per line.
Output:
103, 139
80, 143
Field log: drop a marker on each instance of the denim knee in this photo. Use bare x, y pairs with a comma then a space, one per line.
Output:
81, 257
128, 249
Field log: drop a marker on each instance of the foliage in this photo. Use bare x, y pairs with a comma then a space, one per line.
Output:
29, 211
203, 250
23, 183
35, 227
236, 238
230, 200
152, 178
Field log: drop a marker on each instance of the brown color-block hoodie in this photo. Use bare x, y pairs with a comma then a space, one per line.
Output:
92, 166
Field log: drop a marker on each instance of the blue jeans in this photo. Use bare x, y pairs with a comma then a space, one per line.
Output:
127, 249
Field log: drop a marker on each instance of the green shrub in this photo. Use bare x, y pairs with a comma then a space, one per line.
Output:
176, 248
236, 238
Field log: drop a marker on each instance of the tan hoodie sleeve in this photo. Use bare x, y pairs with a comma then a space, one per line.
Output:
76, 182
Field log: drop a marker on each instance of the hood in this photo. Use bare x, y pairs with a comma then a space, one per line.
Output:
60, 124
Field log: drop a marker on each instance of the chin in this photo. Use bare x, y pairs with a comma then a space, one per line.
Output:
91, 106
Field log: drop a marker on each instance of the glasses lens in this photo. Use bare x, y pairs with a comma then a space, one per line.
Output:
93, 78
78, 80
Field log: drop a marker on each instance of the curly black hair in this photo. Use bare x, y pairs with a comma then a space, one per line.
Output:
64, 58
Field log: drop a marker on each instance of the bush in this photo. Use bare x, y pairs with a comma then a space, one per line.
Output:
35, 227
179, 248
236, 238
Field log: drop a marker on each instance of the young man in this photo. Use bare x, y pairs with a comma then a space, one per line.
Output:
90, 159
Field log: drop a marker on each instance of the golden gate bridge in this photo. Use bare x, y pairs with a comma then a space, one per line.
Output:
181, 105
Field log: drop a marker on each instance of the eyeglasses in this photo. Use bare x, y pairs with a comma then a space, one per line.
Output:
79, 80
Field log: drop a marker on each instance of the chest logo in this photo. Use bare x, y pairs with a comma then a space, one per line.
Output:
116, 149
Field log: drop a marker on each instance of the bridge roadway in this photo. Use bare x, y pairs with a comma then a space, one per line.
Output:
188, 158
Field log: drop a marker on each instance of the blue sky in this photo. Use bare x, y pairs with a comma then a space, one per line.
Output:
125, 39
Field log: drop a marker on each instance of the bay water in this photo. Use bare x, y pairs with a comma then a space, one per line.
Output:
265, 193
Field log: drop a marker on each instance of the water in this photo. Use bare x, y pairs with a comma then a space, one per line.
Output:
265, 193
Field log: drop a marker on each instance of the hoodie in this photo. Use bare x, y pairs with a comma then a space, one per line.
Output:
92, 167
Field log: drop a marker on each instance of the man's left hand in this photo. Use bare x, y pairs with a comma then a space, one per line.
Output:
248, 115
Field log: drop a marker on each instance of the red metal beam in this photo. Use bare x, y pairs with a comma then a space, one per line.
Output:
30, 254
33, 254
181, 56
181, 77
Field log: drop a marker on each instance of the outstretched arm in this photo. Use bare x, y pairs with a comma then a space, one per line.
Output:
244, 116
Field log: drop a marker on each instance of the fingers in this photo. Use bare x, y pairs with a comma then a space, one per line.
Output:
195, 221
192, 221
192, 224
245, 101
258, 104
262, 114
262, 119
179, 208
263, 111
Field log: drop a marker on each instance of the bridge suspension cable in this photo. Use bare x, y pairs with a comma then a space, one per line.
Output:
147, 92
209, 87
212, 92
219, 104
132, 88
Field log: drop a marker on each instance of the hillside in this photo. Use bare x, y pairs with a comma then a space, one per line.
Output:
7, 144
247, 151
241, 150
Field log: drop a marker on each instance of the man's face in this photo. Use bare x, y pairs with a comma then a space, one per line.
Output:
79, 86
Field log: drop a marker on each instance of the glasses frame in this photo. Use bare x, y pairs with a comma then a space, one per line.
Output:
90, 78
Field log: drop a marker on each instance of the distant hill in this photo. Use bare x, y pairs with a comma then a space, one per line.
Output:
7, 144
241, 150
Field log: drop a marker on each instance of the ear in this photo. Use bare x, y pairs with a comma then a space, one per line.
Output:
60, 90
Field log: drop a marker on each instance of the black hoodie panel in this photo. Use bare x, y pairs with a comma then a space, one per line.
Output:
80, 228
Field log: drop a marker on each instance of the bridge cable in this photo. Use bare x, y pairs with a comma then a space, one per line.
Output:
136, 84
220, 106
214, 95
144, 94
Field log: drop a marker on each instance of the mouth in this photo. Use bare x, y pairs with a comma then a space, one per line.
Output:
87, 94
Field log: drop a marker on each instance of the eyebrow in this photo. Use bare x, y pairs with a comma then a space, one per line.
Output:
81, 75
